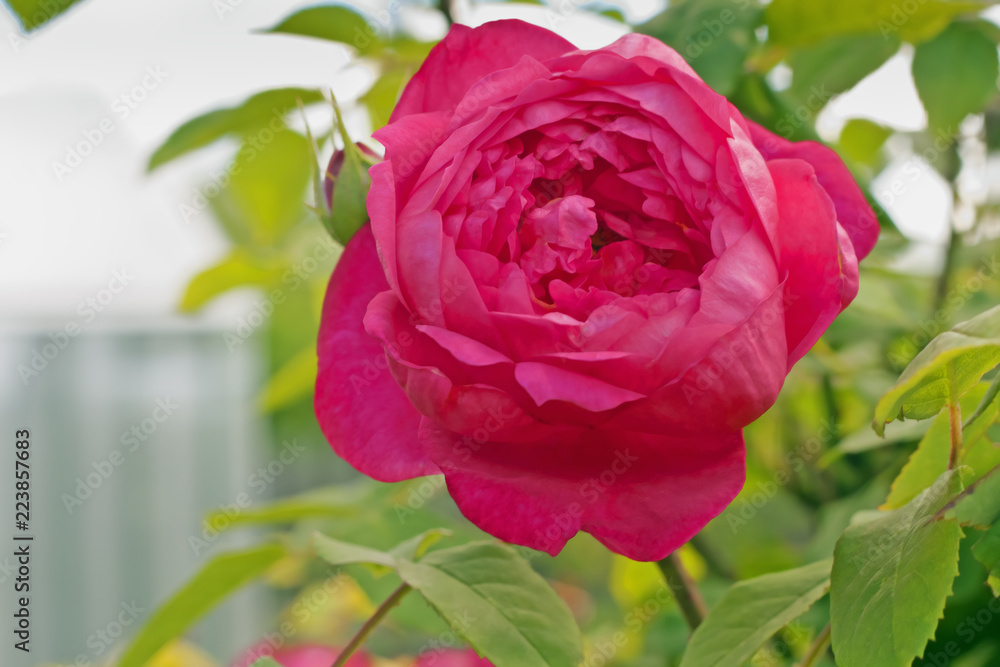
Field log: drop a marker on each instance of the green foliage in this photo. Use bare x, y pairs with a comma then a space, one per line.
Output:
979, 505
796, 23
33, 14
714, 36
891, 575
838, 63
488, 594
220, 577
291, 383
971, 349
265, 662
987, 552
752, 611
334, 23
258, 116
948, 98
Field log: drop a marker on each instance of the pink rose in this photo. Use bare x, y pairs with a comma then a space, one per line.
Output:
306, 655
585, 273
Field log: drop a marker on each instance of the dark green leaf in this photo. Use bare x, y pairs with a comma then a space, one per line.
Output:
221, 577
262, 114
892, 572
979, 505
987, 552
839, 63
752, 611
949, 98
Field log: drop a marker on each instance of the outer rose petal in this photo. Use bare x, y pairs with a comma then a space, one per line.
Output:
466, 55
643, 497
853, 212
363, 412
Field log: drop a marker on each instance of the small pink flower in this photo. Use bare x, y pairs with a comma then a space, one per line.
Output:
585, 273
306, 655
466, 658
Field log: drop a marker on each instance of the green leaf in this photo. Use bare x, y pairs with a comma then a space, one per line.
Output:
241, 268
330, 502
861, 140
714, 36
265, 662
752, 611
795, 23
519, 620
839, 63
930, 460
220, 577
268, 186
979, 505
257, 116
973, 347
292, 383
417, 546
947, 98
333, 23
891, 576
987, 552
336, 552
866, 440
35, 13
381, 98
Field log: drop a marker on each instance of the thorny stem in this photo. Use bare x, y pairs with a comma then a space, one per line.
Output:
684, 590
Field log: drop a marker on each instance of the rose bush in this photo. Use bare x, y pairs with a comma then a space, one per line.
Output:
585, 273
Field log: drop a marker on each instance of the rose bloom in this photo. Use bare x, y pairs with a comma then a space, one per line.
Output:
585, 273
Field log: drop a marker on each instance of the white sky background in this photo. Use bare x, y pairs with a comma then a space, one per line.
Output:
62, 239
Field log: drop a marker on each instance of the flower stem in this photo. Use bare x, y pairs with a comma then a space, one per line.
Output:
954, 418
370, 624
817, 649
684, 590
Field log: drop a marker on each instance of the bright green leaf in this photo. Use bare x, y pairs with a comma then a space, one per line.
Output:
241, 268
891, 576
265, 662
381, 98
221, 577
333, 23
268, 186
519, 619
35, 13
259, 116
861, 140
291, 383
794, 22
948, 98
987, 552
417, 546
714, 36
752, 611
923, 388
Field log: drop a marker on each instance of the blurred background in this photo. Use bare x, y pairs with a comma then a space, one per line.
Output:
162, 277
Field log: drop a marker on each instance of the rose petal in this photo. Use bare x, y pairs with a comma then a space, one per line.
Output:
363, 412
641, 495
